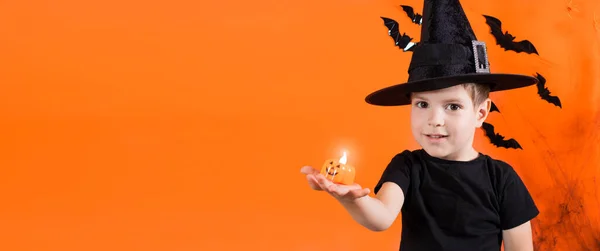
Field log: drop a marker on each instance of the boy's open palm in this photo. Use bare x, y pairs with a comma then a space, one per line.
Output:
342, 192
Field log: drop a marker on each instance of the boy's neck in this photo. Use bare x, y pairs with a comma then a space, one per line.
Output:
469, 154
466, 154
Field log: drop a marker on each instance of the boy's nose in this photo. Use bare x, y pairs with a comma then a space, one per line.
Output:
436, 118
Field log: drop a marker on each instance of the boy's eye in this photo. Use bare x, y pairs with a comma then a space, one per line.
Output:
421, 104
454, 107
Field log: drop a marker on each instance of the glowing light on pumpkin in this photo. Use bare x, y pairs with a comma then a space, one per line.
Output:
343, 159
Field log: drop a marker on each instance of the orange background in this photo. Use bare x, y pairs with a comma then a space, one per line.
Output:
182, 125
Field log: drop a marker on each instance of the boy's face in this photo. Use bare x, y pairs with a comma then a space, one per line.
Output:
444, 121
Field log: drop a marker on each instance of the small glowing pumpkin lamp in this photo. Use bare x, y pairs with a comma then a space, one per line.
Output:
338, 172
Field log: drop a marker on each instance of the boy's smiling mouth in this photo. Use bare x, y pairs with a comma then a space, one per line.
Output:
436, 137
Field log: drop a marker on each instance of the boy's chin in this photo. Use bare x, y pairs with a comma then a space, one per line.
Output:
436, 152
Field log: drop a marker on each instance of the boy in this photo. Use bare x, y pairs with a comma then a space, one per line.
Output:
451, 196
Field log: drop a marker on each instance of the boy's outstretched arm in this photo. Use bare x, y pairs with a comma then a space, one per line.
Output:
375, 213
518, 238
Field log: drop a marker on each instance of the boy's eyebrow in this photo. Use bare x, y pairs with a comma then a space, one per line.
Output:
417, 96
449, 100
452, 100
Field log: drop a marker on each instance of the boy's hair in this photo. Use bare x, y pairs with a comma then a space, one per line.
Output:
478, 92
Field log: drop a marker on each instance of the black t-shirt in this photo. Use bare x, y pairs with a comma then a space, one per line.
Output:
457, 205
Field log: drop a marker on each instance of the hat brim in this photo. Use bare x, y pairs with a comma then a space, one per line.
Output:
399, 94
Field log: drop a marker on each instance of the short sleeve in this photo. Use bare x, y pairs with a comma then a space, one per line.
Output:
516, 204
397, 171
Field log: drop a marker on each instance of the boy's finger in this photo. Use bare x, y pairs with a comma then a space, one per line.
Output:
312, 181
308, 170
339, 191
332, 189
323, 181
343, 190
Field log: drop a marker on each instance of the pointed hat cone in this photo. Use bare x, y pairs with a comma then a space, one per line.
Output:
447, 55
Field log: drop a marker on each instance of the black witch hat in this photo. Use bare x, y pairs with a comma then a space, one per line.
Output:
448, 54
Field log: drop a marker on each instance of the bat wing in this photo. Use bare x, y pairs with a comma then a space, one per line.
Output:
511, 143
392, 25
409, 11
544, 93
525, 46
402, 41
489, 130
497, 139
494, 108
411, 46
542, 79
393, 28
505, 40
496, 29
554, 100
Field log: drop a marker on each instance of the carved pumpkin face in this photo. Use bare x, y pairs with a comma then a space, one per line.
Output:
338, 171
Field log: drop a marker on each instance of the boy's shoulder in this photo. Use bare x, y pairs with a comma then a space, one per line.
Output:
418, 157
420, 154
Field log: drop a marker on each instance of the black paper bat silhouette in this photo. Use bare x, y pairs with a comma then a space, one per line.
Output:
497, 139
494, 108
402, 41
506, 40
545, 93
415, 18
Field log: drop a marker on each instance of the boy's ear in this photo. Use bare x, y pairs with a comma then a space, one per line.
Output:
483, 110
